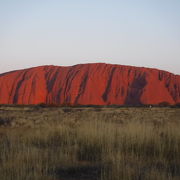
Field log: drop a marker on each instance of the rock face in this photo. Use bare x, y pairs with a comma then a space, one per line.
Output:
85, 84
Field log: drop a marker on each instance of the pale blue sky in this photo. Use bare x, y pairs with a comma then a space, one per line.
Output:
67, 32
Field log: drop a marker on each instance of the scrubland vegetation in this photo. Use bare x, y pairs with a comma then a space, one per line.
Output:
89, 143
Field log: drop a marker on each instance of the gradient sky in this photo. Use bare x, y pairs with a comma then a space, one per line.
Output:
67, 32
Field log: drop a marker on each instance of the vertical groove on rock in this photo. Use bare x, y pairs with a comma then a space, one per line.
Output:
82, 87
105, 94
16, 95
135, 90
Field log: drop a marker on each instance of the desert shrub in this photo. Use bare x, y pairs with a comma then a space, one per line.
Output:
67, 110
164, 104
5, 121
177, 105
42, 105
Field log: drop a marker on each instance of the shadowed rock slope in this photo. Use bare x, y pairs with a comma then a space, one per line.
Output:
96, 84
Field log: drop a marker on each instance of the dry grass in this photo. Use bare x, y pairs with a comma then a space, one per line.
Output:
86, 144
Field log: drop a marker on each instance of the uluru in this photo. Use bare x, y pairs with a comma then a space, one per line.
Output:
89, 84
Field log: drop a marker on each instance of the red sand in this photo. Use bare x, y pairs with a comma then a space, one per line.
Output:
97, 84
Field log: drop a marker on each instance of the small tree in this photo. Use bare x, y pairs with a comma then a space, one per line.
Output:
164, 104
177, 104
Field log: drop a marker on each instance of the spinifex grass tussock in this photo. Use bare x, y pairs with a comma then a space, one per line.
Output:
94, 148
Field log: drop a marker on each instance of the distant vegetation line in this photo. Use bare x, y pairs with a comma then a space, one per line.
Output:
162, 104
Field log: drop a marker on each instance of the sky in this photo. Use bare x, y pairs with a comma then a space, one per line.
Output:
143, 33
